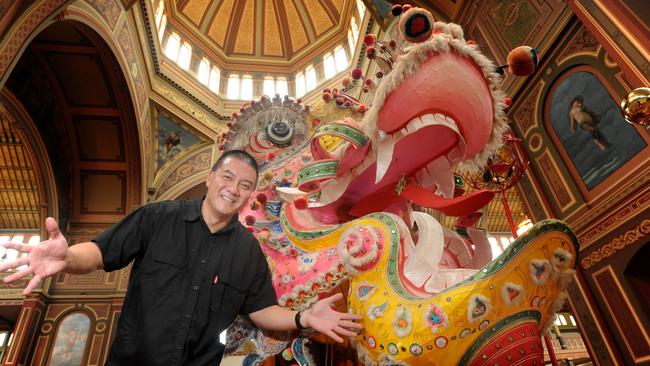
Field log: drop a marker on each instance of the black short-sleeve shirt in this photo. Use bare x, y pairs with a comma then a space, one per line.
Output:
187, 285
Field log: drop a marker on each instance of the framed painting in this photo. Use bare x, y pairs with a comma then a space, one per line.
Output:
70, 341
589, 126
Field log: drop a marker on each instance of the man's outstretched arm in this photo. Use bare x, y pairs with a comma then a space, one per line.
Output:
320, 317
51, 257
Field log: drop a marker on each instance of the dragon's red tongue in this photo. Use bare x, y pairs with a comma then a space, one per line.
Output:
457, 206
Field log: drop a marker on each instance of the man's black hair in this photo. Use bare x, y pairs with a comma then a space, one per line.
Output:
238, 154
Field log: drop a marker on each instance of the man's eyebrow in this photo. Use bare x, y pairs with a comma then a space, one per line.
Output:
233, 173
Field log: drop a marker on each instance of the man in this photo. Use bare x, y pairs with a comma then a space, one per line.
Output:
195, 267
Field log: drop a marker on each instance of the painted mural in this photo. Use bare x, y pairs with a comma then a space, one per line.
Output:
591, 129
172, 139
70, 341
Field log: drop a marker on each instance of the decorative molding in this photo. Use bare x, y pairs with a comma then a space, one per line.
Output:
196, 164
581, 42
110, 10
590, 235
10, 49
622, 314
558, 186
620, 242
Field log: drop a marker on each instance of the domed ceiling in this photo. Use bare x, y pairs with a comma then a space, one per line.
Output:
262, 35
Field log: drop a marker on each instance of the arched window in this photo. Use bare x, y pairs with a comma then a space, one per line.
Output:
173, 44
233, 87
329, 66
300, 84
161, 28
282, 87
269, 86
160, 11
361, 8
351, 42
355, 28
204, 71
247, 87
311, 78
215, 79
185, 56
341, 58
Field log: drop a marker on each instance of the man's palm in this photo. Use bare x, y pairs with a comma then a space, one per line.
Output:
43, 260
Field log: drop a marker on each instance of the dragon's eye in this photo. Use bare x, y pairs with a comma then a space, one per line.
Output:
279, 133
416, 25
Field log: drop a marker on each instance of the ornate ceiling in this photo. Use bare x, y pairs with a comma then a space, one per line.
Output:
262, 35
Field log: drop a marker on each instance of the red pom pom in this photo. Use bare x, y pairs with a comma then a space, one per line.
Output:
396, 9
379, 74
365, 90
371, 53
327, 97
507, 101
249, 219
261, 198
522, 61
368, 82
362, 108
346, 82
234, 115
406, 8
369, 39
356, 73
392, 43
250, 229
339, 101
327, 90
300, 202
270, 156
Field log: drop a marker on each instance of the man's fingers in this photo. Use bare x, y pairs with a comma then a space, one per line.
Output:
19, 247
348, 316
333, 335
348, 324
18, 275
52, 228
13, 264
32, 285
344, 332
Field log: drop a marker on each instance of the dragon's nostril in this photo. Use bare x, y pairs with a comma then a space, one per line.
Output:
416, 25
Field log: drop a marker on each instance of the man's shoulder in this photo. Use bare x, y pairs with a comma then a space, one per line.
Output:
166, 208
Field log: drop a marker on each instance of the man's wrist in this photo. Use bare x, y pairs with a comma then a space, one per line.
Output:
301, 319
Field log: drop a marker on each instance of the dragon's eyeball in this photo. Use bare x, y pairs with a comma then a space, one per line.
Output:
279, 133
416, 25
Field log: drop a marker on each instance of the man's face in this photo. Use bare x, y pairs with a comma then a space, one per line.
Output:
230, 186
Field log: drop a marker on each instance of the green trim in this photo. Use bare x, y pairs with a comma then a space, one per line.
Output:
318, 171
517, 246
343, 131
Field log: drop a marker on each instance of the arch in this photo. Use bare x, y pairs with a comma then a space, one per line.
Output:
27, 132
73, 84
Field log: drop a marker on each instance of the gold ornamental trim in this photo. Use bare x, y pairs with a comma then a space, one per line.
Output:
620, 242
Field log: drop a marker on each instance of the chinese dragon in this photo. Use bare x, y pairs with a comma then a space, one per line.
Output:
334, 207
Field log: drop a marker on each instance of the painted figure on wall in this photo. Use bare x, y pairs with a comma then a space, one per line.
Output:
172, 139
70, 342
587, 120
593, 133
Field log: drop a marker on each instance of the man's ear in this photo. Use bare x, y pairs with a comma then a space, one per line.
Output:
208, 180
